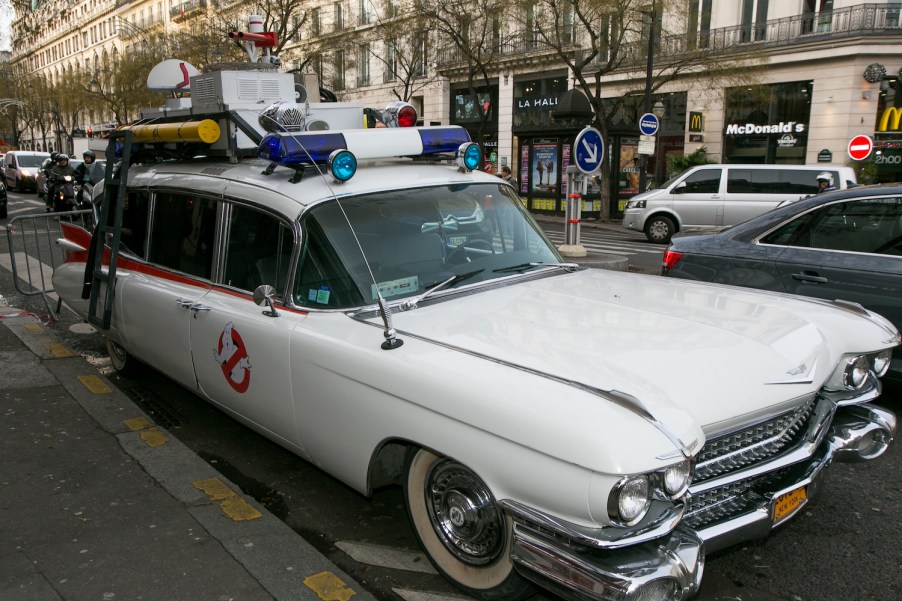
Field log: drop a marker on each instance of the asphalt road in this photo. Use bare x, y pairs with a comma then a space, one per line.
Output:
845, 546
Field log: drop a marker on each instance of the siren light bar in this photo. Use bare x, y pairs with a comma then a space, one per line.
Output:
341, 150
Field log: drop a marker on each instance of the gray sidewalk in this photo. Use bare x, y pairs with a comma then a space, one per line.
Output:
98, 503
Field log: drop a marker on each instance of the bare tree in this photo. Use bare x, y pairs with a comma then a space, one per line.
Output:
399, 40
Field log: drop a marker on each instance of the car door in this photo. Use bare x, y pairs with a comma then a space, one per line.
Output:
698, 199
848, 250
241, 351
160, 295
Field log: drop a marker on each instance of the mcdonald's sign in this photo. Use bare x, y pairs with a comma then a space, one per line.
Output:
891, 119
696, 121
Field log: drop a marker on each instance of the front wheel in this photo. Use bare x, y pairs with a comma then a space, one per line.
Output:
124, 364
660, 229
464, 532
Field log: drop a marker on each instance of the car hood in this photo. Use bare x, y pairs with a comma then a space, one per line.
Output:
688, 353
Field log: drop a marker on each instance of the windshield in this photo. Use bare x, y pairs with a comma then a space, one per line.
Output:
31, 160
414, 240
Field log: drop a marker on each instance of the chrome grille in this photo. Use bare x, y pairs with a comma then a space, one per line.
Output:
729, 500
754, 444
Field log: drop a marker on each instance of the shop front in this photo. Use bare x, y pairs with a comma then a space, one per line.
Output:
887, 155
468, 110
767, 124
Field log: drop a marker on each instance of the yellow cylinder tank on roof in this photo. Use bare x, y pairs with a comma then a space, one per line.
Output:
206, 131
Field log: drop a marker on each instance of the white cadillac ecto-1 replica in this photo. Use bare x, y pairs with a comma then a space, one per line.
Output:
394, 316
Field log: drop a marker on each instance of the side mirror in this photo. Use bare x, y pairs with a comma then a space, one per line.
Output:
263, 296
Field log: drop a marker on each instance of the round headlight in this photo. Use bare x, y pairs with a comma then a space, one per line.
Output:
677, 479
630, 500
882, 361
856, 373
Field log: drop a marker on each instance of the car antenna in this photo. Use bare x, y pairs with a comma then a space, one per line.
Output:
391, 341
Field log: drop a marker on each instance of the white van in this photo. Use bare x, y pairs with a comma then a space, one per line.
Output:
709, 196
20, 169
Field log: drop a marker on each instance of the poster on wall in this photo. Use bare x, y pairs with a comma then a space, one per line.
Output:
524, 170
544, 168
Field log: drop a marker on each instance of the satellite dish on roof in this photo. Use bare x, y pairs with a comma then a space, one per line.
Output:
172, 75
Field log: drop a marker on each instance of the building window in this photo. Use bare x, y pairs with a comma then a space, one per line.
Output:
363, 65
338, 21
391, 63
699, 26
338, 70
315, 22
364, 12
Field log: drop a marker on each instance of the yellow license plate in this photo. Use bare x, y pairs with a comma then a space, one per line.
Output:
787, 504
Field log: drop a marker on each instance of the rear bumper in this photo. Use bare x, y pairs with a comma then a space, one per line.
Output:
675, 562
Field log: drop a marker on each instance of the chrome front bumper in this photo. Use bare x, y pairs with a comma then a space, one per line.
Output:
674, 563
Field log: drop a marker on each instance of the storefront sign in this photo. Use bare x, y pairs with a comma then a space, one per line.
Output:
825, 156
786, 141
783, 127
891, 119
696, 138
527, 104
696, 121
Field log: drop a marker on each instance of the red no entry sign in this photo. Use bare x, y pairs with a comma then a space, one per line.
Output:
860, 147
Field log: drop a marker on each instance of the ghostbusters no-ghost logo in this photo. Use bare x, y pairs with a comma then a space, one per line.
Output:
232, 358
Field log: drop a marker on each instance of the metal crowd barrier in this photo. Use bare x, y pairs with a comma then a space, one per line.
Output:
34, 253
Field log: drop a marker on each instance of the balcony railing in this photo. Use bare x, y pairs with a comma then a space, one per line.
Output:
186, 9
872, 20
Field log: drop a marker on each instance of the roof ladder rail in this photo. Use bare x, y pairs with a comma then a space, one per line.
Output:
107, 232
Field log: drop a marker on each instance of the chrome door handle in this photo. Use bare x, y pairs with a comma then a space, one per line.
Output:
806, 276
185, 304
199, 307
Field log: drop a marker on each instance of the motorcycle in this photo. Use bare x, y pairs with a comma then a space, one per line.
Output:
70, 196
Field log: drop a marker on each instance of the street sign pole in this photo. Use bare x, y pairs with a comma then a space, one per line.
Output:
588, 154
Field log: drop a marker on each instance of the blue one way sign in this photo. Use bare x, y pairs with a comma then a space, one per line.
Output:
588, 150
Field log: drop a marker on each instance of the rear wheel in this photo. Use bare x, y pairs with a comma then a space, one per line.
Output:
660, 229
462, 529
125, 364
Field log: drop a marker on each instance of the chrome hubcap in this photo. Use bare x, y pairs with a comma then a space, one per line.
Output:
463, 513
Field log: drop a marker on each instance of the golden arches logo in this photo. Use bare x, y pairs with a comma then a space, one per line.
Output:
696, 121
891, 116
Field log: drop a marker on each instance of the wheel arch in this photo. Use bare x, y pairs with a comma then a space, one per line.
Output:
664, 212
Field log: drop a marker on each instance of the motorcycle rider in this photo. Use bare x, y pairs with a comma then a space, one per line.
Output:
89, 171
825, 182
46, 166
60, 170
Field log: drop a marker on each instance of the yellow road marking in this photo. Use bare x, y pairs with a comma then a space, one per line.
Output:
232, 505
95, 384
239, 510
329, 587
34, 328
59, 350
137, 423
153, 438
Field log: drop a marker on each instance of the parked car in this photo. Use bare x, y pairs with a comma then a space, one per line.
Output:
841, 245
715, 196
20, 168
404, 321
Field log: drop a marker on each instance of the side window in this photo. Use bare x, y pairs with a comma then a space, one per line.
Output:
739, 181
258, 250
766, 181
182, 233
871, 225
134, 223
799, 181
323, 280
703, 181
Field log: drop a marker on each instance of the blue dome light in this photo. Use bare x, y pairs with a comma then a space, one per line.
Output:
343, 165
469, 156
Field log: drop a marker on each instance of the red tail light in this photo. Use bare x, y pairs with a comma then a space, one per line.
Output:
671, 258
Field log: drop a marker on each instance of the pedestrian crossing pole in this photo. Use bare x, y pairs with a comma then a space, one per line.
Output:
576, 187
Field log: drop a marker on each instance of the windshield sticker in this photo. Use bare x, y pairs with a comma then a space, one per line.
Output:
232, 358
320, 295
391, 288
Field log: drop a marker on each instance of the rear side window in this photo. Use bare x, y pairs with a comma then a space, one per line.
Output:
801, 181
703, 181
867, 225
182, 234
754, 181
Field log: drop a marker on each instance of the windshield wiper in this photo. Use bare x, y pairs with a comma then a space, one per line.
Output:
435, 286
524, 266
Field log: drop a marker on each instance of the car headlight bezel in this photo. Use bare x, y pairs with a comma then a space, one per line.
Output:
630, 499
881, 361
855, 372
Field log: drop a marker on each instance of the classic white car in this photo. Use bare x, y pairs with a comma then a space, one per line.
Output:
404, 321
